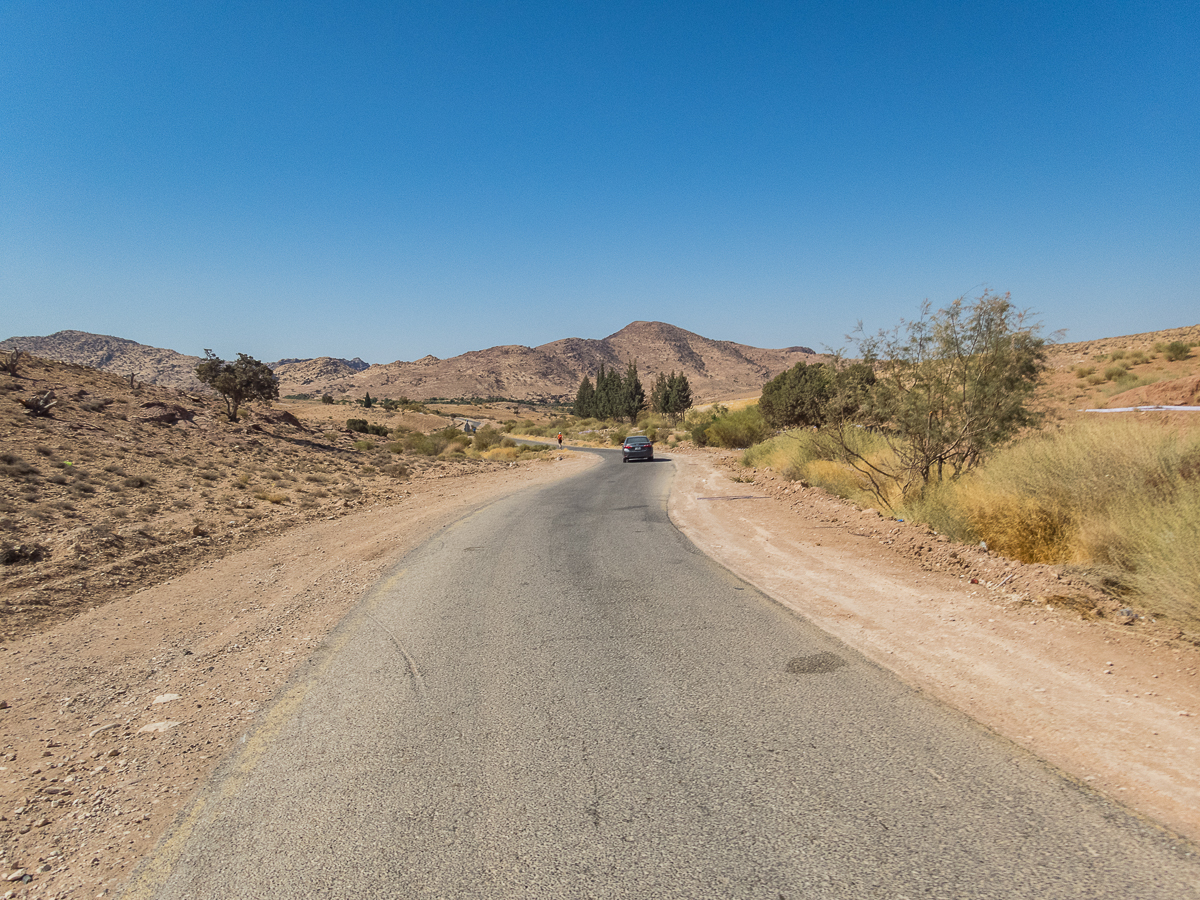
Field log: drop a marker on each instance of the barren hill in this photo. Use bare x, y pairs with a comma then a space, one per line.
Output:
113, 354
716, 369
355, 365
308, 374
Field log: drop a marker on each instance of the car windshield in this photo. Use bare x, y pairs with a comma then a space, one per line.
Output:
637, 440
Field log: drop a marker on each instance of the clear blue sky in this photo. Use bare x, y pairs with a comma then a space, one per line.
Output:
393, 179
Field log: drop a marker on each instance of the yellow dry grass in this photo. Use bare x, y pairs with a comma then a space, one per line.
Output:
1118, 495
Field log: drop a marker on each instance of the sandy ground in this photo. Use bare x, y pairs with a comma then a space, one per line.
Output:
115, 717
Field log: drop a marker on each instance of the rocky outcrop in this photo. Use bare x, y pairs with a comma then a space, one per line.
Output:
113, 354
717, 370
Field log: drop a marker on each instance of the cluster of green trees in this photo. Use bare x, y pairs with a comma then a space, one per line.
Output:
617, 396
671, 396
812, 395
614, 396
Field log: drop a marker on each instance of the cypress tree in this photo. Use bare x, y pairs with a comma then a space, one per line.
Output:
585, 400
632, 395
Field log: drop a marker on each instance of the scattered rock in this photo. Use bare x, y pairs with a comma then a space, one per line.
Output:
11, 554
154, 727
162, 413
166, 698
278, 417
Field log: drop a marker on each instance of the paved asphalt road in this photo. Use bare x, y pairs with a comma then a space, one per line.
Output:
558, 696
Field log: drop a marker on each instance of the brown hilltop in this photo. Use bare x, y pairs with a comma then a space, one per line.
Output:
717, 370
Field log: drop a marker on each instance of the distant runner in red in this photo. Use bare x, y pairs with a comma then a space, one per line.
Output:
560, 439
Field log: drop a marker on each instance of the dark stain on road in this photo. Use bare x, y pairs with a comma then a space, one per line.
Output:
816, 664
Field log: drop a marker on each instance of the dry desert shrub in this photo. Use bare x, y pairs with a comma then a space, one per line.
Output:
807, 455
1121, 494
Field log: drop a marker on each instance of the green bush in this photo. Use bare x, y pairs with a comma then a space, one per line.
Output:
421, 444
362, 426
486, 438
1112, 373
737, 430
1176, 351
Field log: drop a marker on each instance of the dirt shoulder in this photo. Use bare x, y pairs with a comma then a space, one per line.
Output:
114, 717
1027, 651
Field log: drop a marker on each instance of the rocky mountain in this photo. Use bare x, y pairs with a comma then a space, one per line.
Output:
304, 376
552, 372
717, 370
113, 354
355, 365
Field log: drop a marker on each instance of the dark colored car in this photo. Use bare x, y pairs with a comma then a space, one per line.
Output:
637, 447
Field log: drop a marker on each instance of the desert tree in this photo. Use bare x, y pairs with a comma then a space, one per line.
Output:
239, 381
948, 387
